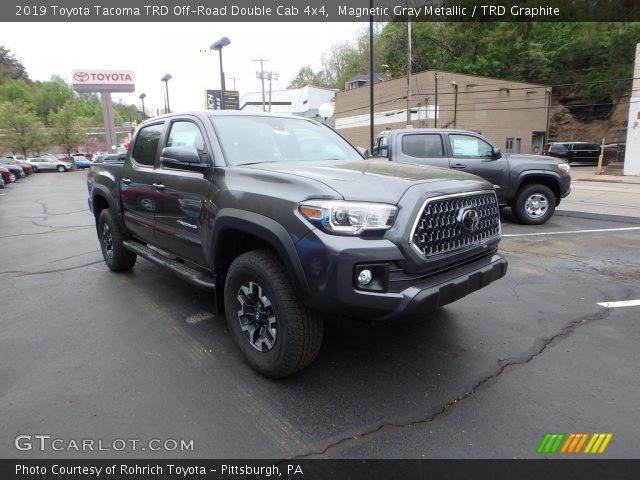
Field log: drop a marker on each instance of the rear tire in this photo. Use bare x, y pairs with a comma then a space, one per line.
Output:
534, 204
276, 333
110, 235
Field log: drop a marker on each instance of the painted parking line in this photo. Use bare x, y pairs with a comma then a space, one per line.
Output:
622, 303
569, 232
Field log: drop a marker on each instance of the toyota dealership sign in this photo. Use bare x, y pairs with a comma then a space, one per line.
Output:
103, 80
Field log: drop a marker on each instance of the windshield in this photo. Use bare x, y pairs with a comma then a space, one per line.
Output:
257, 139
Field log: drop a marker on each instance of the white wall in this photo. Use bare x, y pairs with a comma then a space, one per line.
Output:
632, 152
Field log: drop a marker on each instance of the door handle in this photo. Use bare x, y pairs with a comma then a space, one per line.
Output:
159, 187
458, 165
126, 181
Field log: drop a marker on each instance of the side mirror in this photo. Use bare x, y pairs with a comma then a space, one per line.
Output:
182, 158
363, 151
496, 153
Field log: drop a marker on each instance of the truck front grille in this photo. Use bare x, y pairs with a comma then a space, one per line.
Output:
441, 228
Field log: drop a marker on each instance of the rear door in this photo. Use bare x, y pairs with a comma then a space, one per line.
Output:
585, 153
182, 195
473, 154
422, 148
137, 184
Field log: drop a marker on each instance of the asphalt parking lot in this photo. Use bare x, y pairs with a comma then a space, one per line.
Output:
90, 354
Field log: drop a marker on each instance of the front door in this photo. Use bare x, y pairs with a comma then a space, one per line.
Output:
473, 154
181, 196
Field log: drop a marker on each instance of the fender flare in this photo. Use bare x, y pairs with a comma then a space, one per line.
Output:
268, 230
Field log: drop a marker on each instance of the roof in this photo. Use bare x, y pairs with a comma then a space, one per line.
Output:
364, 77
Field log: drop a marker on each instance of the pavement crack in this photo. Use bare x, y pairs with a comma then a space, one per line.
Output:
22, 273
72, 228
503, 364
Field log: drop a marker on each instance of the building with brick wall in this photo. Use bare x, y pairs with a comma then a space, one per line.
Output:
513, 115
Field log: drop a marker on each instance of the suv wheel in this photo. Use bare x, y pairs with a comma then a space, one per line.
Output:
61, 168
534, 204
110, 235
276, 333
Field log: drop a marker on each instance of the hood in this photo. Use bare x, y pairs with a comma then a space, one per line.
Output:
372, 180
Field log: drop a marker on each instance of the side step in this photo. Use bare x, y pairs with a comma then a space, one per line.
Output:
191, 275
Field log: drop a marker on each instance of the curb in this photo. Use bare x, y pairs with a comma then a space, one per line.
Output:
598, 216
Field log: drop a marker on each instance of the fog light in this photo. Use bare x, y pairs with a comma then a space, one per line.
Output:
365, 277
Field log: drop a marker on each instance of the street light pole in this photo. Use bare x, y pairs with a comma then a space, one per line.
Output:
260, 75
455, 103
166, 79
142, 97
219, 45
272, 76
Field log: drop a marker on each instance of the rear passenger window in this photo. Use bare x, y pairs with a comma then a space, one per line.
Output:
422, 146
146, 147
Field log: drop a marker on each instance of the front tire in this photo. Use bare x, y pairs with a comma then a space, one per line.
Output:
61, 168
277, 335
110, 235
534, 204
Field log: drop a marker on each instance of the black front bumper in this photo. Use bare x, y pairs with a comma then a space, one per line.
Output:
329, 263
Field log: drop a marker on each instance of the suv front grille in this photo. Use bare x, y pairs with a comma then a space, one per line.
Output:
439, 228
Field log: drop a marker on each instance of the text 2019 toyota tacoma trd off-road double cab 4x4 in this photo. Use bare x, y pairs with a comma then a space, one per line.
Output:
285, 221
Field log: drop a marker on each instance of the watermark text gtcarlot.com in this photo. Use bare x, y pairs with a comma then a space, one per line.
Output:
49, 443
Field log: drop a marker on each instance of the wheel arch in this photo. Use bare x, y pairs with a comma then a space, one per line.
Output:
548, 179
238, 231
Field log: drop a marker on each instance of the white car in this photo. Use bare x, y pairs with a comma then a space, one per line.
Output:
47, 163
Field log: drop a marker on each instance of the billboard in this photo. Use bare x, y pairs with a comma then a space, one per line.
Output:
103, 80
213, 100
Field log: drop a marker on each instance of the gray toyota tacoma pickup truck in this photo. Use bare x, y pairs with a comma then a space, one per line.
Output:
532, 185
285, 221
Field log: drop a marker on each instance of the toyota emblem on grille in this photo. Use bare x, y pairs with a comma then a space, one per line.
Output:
469, 219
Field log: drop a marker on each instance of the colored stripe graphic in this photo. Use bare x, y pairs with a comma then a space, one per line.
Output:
551, 442
572, 443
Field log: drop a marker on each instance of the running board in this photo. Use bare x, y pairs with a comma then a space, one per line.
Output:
191, 275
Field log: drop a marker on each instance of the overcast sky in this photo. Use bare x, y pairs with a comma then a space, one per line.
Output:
181, 49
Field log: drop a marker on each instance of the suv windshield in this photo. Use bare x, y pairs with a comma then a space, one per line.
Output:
249, 139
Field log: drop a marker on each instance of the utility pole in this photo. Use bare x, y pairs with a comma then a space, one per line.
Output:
272, 76
234, 81
260, 75
409, 73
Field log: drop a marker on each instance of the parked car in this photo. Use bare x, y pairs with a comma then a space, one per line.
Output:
6, 175
111, 158
81, 161
15, 172
573, 152
1, 181
28, 169
532, 185
46, 163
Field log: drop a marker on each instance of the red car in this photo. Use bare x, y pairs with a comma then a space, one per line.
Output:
27, 167
6, 175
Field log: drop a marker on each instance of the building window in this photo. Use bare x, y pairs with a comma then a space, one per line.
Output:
509, 145
518, 145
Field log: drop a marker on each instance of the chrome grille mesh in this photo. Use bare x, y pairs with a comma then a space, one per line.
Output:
438, 229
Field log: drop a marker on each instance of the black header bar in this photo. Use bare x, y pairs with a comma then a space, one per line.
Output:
319, 10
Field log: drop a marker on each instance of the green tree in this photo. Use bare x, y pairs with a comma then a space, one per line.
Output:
66, 127
19, 125
52, 95
10, 67
306, 76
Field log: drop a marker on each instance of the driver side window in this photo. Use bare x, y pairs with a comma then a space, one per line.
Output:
186, 134
466, 146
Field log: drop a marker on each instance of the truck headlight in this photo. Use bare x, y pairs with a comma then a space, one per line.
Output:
348, 218
564, 167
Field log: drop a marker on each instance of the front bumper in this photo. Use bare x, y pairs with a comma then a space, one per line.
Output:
330, 261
